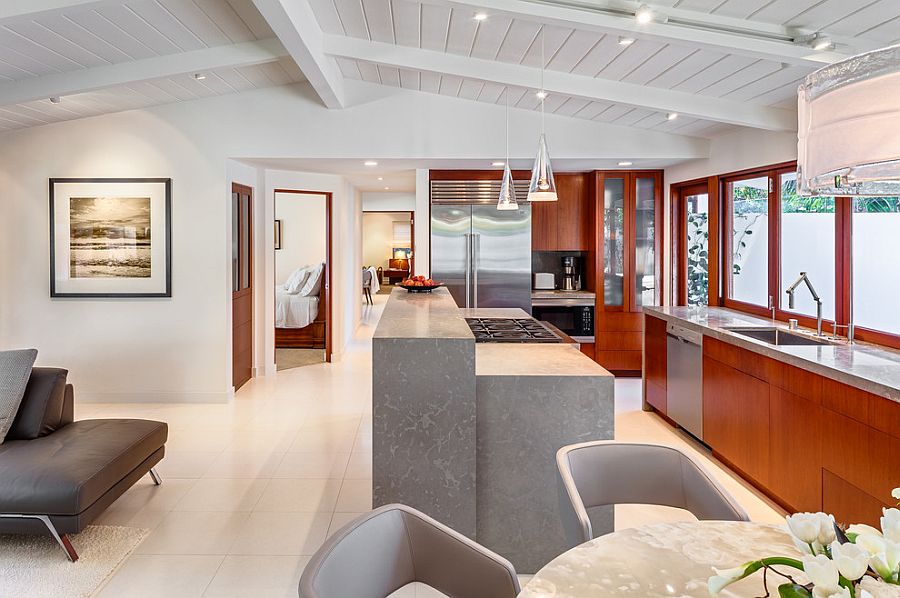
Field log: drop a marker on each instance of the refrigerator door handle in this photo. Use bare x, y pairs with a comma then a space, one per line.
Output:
468, 267
476, 242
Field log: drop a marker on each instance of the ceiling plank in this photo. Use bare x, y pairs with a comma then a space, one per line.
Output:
16, 9
708, 31
95, 78
294, 22
578, 86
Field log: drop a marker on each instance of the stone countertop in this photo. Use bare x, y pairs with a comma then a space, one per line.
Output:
534, 359
422, 315
869, 367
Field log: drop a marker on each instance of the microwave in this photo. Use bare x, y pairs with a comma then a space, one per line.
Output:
572, 316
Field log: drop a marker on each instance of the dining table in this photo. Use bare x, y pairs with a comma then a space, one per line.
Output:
674, 559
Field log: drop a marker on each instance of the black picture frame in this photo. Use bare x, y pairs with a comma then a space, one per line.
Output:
167, 182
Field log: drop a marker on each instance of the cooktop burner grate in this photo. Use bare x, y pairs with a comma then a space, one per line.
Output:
511, 330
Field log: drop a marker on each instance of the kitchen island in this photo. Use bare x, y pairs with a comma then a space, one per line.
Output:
813, 423
468, 432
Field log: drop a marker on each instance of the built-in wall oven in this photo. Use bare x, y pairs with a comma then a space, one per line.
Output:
574, 316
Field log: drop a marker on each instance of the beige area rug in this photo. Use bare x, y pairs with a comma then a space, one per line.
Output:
37, 566
286, 359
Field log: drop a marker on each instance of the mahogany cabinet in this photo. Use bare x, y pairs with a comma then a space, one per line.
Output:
567, 224
629, 266
807, 441
655, 373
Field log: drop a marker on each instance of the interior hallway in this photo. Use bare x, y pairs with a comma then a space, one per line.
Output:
252, 488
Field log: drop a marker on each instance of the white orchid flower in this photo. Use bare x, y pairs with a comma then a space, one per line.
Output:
890, 524
725, 577
839, 593
852, 561
823, 573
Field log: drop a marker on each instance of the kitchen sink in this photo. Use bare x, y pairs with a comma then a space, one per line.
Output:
776, 336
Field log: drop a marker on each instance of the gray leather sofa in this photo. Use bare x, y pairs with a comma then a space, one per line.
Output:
57, 475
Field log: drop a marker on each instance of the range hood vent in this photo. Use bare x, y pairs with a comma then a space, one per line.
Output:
480, 192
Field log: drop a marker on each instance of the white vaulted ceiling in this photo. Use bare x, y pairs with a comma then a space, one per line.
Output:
718, 63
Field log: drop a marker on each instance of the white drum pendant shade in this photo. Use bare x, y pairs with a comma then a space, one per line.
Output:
849, 127
507, 191
542, 187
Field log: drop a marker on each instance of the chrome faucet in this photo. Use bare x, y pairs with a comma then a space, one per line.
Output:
804, 278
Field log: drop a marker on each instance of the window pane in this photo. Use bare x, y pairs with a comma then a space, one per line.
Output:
235, 243
876, 276
614, 244
697, 210
645, 242
807, 245
245, 241
750, 240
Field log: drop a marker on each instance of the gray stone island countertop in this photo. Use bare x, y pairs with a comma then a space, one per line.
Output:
422, 315
872, 368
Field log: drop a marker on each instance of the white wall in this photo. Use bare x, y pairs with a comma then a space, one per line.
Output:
378, 201
422, 262
302, 219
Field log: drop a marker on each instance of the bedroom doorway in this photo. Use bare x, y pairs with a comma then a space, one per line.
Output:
303, 319
388, 247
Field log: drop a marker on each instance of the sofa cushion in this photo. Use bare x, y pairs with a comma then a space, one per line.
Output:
15, 369
41, 410
64, 473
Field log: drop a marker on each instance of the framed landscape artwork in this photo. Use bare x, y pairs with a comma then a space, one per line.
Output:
110, 237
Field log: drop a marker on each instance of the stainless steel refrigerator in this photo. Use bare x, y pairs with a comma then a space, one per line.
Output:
482, 254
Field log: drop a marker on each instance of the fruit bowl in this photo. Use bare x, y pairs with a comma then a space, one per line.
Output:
420, 284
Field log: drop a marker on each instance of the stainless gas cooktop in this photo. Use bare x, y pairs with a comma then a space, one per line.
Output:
511, 330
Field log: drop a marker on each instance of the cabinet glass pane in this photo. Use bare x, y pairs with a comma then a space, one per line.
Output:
697, 210
750, 240
876, 276
645, 242
807, 245
614, 241
245, 241
235, 243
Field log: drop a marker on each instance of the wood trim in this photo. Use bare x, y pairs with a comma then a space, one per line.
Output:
759, 170
244, 356
329, 316
715, 235
678, 246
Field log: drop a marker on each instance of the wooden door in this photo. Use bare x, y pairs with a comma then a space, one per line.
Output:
242, 284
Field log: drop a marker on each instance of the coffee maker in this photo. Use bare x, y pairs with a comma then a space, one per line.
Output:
571, 280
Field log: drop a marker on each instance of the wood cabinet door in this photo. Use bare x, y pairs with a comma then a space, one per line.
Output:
795, 446
655, 361
736, 418
544, 225
574, 230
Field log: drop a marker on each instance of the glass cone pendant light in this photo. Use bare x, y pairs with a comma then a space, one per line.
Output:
542, 186
507, 199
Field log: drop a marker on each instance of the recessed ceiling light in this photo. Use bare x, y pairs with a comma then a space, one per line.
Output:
370, 163
644, 14
387, 188
625, 163
498, 163
480, 16
626, 41
381, 178
671, 116
55, 100
541, 94
199, 76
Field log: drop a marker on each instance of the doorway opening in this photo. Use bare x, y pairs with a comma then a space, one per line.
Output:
388, 248
303, 318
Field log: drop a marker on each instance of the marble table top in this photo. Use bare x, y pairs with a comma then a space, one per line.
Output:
663, 559
862, 365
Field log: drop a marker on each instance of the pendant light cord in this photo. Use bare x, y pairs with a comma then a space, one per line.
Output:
543, 91
507, 126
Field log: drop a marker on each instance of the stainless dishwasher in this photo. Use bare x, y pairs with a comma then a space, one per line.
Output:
684, 378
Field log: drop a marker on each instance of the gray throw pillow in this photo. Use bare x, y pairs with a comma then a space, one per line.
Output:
15, 370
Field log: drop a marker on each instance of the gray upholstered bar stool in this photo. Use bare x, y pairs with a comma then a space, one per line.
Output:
394, 545
605, 472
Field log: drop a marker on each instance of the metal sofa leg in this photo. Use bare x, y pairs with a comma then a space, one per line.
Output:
155, 475
62, 540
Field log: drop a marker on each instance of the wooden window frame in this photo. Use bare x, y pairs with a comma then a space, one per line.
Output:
720, 219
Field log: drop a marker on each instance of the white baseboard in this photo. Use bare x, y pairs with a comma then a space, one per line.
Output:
154, 397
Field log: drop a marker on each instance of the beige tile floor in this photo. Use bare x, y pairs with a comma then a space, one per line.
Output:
252, 488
